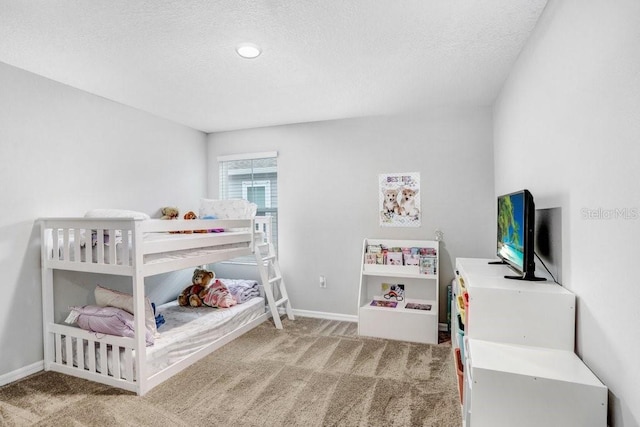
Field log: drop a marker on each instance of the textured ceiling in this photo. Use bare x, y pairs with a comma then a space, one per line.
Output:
322, 59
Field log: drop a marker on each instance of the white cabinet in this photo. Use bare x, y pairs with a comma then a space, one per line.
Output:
400, 322
513, 385
516, 311
519, 362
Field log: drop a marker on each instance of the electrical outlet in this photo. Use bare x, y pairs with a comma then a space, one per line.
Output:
323, 282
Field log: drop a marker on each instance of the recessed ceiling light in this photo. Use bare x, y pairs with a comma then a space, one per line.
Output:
248, 50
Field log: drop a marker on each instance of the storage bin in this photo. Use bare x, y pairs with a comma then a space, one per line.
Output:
461, 311
460, 337
462, 286
460, 324
460, 372
465, 297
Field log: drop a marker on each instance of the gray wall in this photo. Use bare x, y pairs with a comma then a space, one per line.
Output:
567, 127
62, 152
328, 193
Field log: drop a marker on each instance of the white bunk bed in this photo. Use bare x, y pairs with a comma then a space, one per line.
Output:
145, 247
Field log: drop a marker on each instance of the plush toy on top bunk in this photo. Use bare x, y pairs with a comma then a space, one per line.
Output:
170, 213
205, 291
192, 215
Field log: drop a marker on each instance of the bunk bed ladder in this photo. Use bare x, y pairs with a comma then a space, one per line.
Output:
272, 279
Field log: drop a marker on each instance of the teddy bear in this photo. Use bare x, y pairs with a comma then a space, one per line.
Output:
194, 294
169, 213
189, 215
192, 215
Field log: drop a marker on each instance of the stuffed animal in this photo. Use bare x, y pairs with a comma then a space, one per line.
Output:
218, 295
192, 215
169, 213
194, 294
189, 215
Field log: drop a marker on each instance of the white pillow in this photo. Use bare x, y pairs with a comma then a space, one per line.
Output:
109, 298
228, 209
115, 213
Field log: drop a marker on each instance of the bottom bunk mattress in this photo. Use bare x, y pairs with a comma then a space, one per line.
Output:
188, 329
185, 331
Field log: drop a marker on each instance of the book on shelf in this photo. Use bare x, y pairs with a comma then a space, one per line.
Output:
394, 258
449, 297
370, 258
374, 249
383, 303
418, 306
428, 252
411, 259
428, 265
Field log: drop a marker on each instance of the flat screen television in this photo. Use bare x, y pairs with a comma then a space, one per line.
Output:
515, 242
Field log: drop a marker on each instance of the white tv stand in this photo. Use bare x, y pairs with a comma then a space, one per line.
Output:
516, 311
520, 367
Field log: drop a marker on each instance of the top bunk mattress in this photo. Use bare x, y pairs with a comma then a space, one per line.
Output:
161, 252
157, 247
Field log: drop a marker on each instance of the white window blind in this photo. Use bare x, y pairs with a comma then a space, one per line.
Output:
252, 177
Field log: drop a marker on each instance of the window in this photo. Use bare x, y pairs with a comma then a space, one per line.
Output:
253, 177
258, 192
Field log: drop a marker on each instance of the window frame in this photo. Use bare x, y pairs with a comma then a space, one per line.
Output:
223, 193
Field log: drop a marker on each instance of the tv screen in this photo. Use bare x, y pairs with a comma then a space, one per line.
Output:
511, 229
516, 219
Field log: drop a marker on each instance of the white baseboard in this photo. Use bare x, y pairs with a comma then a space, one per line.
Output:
325, 315
337, 316
21, 373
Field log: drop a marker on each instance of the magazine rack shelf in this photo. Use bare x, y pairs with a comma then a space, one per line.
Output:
420, 282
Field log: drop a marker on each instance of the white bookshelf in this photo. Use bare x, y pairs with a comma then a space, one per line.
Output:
399, 323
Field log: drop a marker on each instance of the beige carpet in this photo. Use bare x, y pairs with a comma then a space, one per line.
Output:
313, 373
